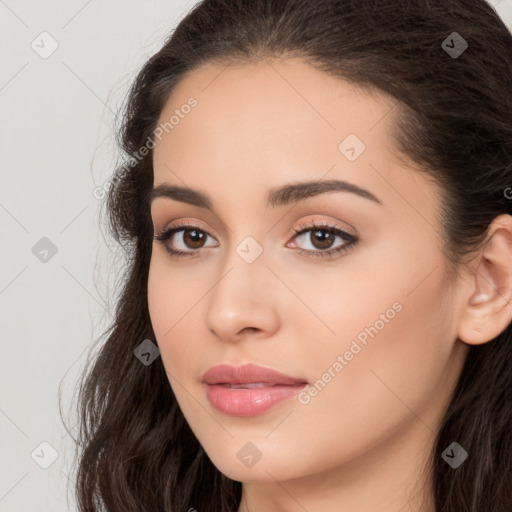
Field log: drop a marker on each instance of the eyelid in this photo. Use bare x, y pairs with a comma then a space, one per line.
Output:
303, 225
324, 223
184, 225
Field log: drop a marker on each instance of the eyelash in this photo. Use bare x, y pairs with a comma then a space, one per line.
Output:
351, 240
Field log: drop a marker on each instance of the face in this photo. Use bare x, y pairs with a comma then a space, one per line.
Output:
356, 308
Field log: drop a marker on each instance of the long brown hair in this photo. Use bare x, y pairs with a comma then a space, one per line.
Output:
136, 450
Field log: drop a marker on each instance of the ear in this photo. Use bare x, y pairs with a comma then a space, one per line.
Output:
487, 311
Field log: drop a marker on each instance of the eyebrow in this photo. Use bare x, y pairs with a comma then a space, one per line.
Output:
283, 195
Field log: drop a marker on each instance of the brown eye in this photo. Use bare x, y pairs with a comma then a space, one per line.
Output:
188, 239
322, 239
193, 238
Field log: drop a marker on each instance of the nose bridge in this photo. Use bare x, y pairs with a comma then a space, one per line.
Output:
243, 268
246, 244
240, 299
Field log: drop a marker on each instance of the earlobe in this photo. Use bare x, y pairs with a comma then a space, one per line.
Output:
488, 308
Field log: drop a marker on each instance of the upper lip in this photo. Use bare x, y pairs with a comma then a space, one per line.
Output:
246, 374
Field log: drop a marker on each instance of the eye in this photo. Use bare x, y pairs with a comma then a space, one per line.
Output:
191, 237
321, 238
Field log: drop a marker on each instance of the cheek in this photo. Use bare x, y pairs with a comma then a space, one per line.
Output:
171, 299
172, 292
387, 384
393, 359
393, 331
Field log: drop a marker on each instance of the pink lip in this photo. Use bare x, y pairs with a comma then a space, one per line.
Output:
271, 388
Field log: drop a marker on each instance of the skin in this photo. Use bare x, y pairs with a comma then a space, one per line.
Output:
363, 442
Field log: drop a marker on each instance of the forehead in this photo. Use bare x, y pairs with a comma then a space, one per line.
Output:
275, 94
291, 93
264, 123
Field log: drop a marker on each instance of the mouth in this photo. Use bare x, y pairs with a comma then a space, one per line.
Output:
249, 385
248, 390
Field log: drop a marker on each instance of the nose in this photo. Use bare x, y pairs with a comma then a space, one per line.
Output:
244, 300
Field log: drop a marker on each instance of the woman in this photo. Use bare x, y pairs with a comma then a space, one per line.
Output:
316, 315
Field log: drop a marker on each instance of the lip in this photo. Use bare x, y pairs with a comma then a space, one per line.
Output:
248, 390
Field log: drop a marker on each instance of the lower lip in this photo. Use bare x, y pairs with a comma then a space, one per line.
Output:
249, 402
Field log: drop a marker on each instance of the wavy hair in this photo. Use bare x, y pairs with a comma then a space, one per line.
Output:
136, 452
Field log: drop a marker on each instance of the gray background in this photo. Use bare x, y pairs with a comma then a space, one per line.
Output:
58, 150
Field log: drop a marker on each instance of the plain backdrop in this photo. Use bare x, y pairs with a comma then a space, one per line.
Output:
65, 70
